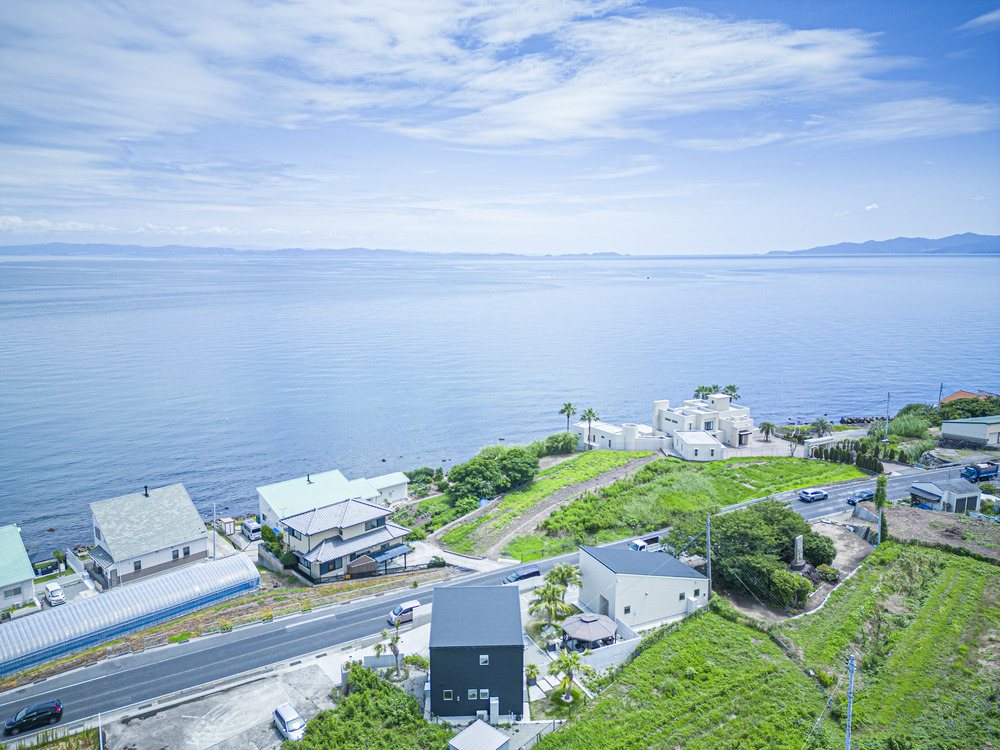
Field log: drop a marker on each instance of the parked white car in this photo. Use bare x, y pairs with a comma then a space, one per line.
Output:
54, 594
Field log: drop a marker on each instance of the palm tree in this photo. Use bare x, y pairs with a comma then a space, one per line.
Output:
564, 575
822, 427
732, 391
569, 410
591, 416
702, 391
566, 664
767, 429
714, 389
548, 599
391, 644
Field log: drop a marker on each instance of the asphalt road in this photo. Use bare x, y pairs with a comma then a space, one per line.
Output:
137, 678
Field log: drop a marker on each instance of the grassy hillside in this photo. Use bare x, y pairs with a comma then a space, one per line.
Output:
924, 627
669, 487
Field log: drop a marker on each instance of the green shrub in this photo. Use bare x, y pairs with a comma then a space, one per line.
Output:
436, 562
289, 558
828, 573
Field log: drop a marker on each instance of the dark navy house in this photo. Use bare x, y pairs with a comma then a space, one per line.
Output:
477, 652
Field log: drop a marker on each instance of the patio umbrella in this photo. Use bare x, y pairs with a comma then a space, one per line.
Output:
589, 627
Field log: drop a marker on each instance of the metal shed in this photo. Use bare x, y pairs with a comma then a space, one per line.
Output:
479, 736
82, 624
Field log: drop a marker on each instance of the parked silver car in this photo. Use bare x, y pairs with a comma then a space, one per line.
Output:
808, 496
288, 722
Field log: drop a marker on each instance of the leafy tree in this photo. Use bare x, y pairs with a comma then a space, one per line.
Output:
964, 408
767, 429
590, 416
732, 391
789, 588
560, 443
518, 465
476, 478
567, 663
821, 427
549, 601
391, 643
880, 492
564, 575
569, 410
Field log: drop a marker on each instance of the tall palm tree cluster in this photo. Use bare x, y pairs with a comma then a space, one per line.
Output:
588, 415
550, 601
704, 391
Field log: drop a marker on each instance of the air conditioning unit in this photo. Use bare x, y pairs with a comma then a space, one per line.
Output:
484, 715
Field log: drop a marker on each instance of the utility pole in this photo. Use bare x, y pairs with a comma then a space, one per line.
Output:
850, 698
940, 394
213, 531
879, 527
887, 416
708, 551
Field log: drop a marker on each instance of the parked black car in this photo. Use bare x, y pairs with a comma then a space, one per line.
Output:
32, 717
861, 497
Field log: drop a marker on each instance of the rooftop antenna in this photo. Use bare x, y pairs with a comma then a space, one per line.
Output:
145, 490
308, 480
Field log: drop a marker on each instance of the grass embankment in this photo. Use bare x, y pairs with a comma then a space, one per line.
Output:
669, 487
465, 537
924, 626
709, 684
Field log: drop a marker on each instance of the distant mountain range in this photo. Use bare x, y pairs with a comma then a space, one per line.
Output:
956, 244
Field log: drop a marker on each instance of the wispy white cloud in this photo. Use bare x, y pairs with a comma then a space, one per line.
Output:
871, 207
17, 225
982, 24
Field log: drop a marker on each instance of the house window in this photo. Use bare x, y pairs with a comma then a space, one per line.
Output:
137, 566
294, 533
484, 694
697, 592
176, 553
374, 524
472, 694
628, 610
16, 591
713, 451
338, 563
696, 451
709, 425
680, 597
187, 551
97, 532
447, 695
484, 660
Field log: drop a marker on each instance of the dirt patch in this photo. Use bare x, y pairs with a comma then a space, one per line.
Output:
934, 527
851, 552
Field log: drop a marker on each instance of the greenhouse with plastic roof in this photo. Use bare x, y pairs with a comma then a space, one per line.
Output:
79, 625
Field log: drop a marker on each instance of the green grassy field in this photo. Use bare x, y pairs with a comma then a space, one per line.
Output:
669, 487
586, 466
924, 626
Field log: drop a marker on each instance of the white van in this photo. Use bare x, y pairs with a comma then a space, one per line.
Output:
403, 613
637, 545
54, 594
251, 530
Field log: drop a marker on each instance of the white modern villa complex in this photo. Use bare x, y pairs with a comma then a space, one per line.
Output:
698, 430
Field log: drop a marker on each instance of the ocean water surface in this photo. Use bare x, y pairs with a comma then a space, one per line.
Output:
226, 373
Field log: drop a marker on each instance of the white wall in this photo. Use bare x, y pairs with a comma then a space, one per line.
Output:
656, 598
161, 557
596, 580
25, 595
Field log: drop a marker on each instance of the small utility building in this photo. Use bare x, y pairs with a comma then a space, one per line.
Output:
979, 431
639, 588
948, 495
477, 653
17, 577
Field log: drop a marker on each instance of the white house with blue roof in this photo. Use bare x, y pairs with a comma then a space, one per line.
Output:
639, 588
17, 577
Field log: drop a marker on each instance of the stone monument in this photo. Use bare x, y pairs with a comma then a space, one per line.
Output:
798, 562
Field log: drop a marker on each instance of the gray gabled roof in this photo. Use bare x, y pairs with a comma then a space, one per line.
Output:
14, 563
479, 736
331, 549
476, 616
958, 487
995, 419
340, 515
630, 562
133, 525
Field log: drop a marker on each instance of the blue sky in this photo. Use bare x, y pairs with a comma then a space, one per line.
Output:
548, 126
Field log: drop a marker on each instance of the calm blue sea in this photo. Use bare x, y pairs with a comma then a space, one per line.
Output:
229, 373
